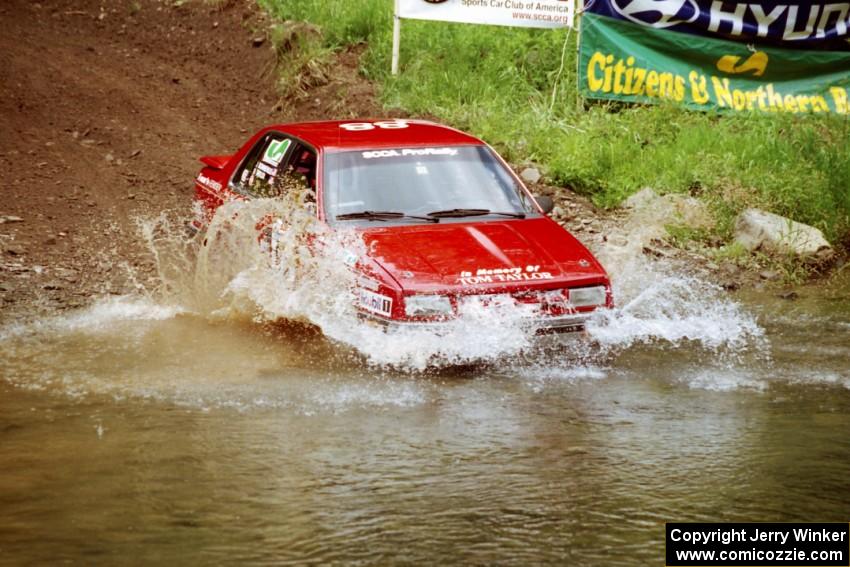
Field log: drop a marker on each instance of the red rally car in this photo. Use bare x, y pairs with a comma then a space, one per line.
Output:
445, 220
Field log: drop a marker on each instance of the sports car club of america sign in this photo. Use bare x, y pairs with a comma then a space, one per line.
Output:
522, 13
790, 57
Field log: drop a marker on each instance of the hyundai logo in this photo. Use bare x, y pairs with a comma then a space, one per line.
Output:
658, 13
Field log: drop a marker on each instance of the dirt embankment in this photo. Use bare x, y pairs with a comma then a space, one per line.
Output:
105, 106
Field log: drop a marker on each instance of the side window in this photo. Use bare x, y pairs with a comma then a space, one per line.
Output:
303, 164
299, 174
275, 164
260, 168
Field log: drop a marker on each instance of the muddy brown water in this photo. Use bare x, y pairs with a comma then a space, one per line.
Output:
133, 432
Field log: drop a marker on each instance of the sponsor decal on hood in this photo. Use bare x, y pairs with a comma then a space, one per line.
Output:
465, 254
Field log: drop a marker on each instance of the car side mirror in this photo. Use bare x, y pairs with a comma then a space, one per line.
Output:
545, 202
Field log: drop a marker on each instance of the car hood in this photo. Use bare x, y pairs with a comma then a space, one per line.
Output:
512, 253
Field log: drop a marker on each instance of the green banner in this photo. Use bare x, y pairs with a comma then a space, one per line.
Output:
633, 63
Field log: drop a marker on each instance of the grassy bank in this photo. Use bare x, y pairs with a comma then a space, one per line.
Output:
498, 83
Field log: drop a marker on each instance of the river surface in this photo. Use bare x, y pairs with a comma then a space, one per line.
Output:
148, 431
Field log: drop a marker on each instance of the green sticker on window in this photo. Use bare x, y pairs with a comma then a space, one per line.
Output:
276, 151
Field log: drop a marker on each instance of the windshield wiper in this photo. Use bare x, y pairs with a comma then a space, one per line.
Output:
457, 213
383, 216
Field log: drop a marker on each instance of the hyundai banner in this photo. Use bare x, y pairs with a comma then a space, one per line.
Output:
773, 22
624, 61
521, 13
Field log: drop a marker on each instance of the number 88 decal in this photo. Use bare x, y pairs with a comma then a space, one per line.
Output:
383, 125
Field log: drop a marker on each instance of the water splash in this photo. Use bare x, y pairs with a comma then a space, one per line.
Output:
270, 260
108, 315
660, 303
672, 309
311, 280
300, 270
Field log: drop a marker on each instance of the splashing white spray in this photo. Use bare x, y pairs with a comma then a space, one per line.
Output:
271, 259
227, 273
658, 304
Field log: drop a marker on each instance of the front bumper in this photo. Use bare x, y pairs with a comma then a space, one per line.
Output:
542, 325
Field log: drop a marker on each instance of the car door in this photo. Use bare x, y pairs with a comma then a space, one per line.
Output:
277, 163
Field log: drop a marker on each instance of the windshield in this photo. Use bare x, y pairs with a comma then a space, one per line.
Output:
403, 185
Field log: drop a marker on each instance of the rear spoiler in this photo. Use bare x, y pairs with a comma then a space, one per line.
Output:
215, 162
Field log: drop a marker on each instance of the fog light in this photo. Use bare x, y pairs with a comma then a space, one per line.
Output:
587, 296
427, 305
488, 299
553, 297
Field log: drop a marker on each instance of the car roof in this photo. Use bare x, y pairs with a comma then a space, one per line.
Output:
343, 135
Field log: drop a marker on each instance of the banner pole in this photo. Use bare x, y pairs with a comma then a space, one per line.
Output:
578, 6
396, 39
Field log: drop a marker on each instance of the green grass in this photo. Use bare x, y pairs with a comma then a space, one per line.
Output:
303, 61
498, 82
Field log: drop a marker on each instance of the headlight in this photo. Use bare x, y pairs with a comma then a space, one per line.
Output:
427, 305
587, 296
